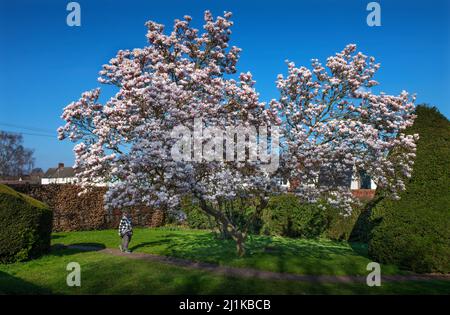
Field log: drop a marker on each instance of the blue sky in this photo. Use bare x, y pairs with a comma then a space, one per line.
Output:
45, 64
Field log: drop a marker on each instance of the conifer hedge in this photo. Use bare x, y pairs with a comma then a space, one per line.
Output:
414, 232
26, 226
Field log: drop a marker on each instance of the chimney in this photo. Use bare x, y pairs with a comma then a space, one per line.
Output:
60, 165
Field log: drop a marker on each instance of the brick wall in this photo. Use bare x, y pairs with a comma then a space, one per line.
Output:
364, 194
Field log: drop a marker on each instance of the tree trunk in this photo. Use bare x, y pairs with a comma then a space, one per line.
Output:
226, 227
232, 231
223, 231
240, 243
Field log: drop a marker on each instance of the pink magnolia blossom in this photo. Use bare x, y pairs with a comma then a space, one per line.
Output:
177, 77
334, 125
332, 122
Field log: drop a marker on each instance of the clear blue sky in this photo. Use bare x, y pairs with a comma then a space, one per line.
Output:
45, 64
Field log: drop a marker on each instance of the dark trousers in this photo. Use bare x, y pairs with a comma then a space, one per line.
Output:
126, 239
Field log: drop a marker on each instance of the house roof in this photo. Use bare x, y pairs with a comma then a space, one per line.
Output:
59, 172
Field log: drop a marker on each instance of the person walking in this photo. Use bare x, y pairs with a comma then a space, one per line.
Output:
125, 232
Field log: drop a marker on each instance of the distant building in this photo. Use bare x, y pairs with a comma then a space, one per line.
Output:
362, 181
59, 175
21, 180
25, 179
361, 184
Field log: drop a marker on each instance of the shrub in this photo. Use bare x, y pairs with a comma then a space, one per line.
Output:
195, 217
285, 215
340, 227
74, 212
414, 232
353, 227
26, 226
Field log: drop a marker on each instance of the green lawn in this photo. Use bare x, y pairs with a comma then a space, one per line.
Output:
301, 256
106, 274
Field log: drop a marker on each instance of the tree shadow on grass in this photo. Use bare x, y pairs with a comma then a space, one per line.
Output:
359, 248
75, 248
55, 237
264, 252
13, 285
312, 258
149, 244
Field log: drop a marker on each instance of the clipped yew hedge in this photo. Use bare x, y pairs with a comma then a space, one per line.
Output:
414, 232
25, 226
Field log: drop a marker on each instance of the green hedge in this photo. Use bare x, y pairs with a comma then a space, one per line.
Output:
195, 217
414, 232
26, 226
285, 215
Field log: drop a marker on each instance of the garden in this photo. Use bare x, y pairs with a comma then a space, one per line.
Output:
328, 252
103, 273
212, 216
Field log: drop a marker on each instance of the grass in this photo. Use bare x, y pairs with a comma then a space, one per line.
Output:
299, 256
105, 274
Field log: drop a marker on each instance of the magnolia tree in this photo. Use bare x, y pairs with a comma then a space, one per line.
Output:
335, 126
162, 135
180, 124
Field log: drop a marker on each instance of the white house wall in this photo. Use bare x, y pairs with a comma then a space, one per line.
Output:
65, 180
